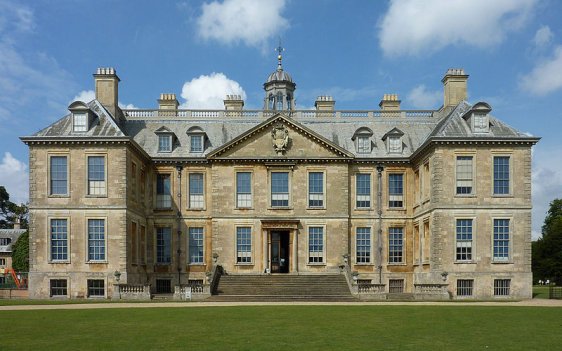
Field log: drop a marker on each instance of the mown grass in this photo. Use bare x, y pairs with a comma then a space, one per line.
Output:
540, 292
286, 328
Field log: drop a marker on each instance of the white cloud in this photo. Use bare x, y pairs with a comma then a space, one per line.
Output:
252, 22
210, 91
546, 183
545, 76
84, 96
15, 178
412, 27
543, 36
421, 98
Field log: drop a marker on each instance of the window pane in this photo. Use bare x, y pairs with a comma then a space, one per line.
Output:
195, 245
363, 145
315, 244
164, 143
501, 175
243, 245
96, 287
395, 245
196, 190
96, 239
59, 240
80, 122
464, 174
163, 245
363, 245
279, 189
464, 240
96, 175
501, 239
395, 144
363, 185
196, 143
315, 189
59, 175
244, 189
396, 190
163, 191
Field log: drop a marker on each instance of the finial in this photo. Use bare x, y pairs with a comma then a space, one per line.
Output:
279, 50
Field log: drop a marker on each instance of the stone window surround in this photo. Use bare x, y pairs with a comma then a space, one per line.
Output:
252, 249
509, 287
106, 223
68, 241
324, 190
68, 285
203, 172
390, 172
289, 171
188, 247
155, 244
510, 244
371, 255
473, 244
403, 246
104, 280
170, 137
65, 153
471, 153
324, 244
103, 154
86, 125
509, 154
371, 173
235, 182
163, 171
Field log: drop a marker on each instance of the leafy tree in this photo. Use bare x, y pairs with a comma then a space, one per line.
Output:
20, 253
10, 211
547, 251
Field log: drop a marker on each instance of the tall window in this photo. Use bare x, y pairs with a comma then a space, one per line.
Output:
96, 288
279, 101
196, 143
363, 145
80, 122
96, 240
395, 145
501, 239
243, 189
163, 191
58, 287
363, 185
464, 175
164, 143
395, 245
501, 175
315, 189
196, 190
243, 245
96, 175
363, 245
195, 245
59, 240
315, 245
502, 287
133, 180
163, 245
464, 287
395, 190
279, 189
481, 124
59, 174
464, 240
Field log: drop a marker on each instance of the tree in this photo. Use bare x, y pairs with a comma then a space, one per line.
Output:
20, 253
547, 251
10, 211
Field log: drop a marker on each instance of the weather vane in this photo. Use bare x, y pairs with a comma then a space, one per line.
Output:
279, 50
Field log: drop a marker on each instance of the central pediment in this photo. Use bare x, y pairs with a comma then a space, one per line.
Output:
283, 138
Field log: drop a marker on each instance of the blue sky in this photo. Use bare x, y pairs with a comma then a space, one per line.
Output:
355, 51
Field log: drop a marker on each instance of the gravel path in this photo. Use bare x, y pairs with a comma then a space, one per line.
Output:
86, 306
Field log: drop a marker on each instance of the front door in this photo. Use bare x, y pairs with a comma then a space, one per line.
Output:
279, 252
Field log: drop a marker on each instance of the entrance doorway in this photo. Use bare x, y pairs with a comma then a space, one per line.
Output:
279, 251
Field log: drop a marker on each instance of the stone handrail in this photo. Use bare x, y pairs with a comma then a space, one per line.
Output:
215, 277
131, 292
368, 288
424, 291
264, 114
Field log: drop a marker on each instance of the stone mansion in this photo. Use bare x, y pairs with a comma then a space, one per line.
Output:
398, 201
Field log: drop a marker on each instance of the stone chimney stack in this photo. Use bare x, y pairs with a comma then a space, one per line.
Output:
17, 223
454, 84
390, 102
324, 103
168, 102
233, 103
107, 89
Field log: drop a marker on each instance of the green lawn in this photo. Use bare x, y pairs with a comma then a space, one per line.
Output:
286, 328
540, 292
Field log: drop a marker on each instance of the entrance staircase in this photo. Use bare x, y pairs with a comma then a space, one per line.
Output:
283, 287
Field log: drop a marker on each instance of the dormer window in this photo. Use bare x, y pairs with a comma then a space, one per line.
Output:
393, 141
165, 139
81, 116
478, 118
362, 138
196, 139
165, 143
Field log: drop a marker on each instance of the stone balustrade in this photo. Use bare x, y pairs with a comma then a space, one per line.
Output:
427, 291
131, 292
192, 292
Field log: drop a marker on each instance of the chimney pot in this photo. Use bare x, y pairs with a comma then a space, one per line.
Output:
107, 89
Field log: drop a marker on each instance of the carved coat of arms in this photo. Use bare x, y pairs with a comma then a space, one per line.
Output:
280, 136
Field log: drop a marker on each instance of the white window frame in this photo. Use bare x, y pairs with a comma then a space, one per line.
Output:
316, 196
156, 261
162, 200
196, 201
49, 174
509, 241
510, 189
202, 141
80, 122
480, 123
396, 197
465, 288
280, 196
318, 255
461, 179
368, 260
395, 144
363, 144
170, 145
364, 197
88, 288
500, 291
240, 255
51, 295
403, 245
105, 231
244, 200
189, 256
96, 188
50, 241
465, 243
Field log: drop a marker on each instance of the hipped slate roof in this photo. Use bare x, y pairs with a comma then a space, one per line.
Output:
13, 234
